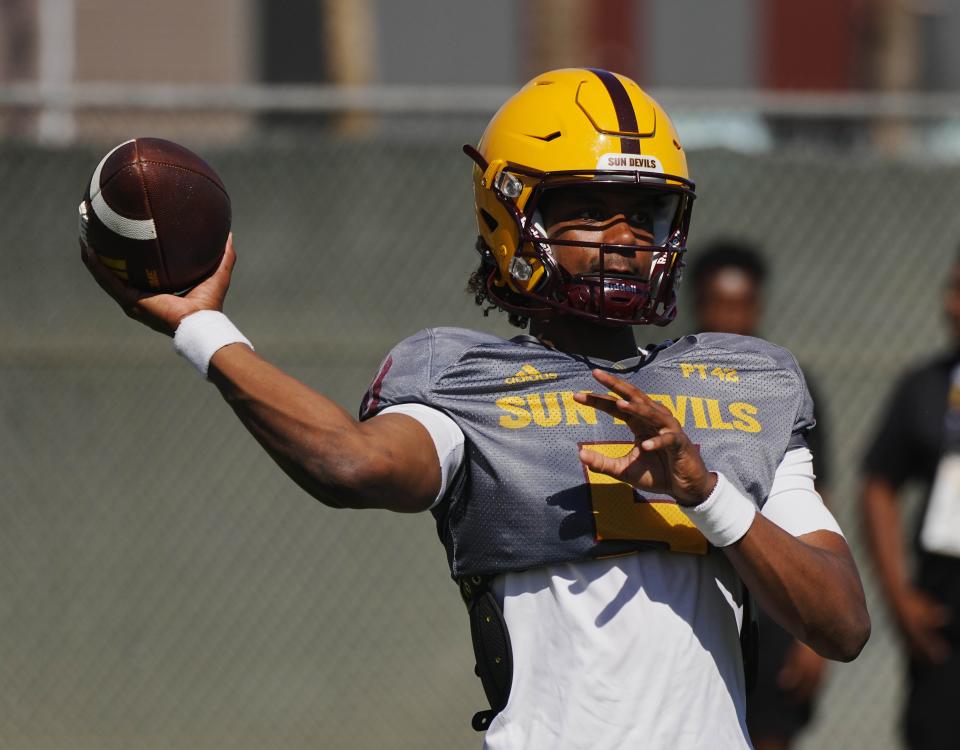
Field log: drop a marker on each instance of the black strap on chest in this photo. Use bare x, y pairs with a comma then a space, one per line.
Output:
491, 646
750, 641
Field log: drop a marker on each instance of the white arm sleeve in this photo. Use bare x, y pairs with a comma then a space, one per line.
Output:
447, 438
793, 504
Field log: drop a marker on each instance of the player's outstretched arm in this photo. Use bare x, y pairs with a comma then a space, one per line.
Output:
387, 462
809, 584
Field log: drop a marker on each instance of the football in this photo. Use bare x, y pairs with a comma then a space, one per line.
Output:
156, 214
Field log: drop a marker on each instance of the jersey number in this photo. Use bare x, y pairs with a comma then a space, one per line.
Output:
621, 513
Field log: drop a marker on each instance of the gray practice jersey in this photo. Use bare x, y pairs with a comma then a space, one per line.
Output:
524, 499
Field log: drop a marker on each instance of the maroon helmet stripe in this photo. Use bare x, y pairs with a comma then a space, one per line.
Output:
626, 117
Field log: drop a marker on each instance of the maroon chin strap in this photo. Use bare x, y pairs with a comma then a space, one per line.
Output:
606, 300
614, 299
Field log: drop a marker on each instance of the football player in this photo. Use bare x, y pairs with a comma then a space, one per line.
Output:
604, 508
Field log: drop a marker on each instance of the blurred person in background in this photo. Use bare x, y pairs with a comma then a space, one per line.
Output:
728, 278
604, 556
918, 440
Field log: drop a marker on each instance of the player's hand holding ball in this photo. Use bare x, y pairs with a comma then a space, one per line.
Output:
154, 223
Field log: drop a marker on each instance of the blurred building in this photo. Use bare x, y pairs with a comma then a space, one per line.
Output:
738, 45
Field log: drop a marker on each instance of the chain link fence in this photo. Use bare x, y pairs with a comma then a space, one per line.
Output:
163, 585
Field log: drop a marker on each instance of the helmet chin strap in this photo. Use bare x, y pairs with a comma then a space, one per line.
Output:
613, 299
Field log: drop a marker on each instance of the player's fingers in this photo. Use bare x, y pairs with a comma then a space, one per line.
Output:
651, 414
603, 402
642, 415
229, 255
665, 440
222, 275
614, 404
634, 396
126, 296
613, 467
619, 385
213, 289
104, 277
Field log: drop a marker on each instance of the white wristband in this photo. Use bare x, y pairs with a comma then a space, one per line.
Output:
201, 334
725, 516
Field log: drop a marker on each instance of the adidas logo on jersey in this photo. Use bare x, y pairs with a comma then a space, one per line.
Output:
530, 374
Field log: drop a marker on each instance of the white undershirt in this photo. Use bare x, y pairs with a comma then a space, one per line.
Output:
631, 651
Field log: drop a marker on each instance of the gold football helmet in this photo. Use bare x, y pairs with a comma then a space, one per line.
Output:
579, 128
